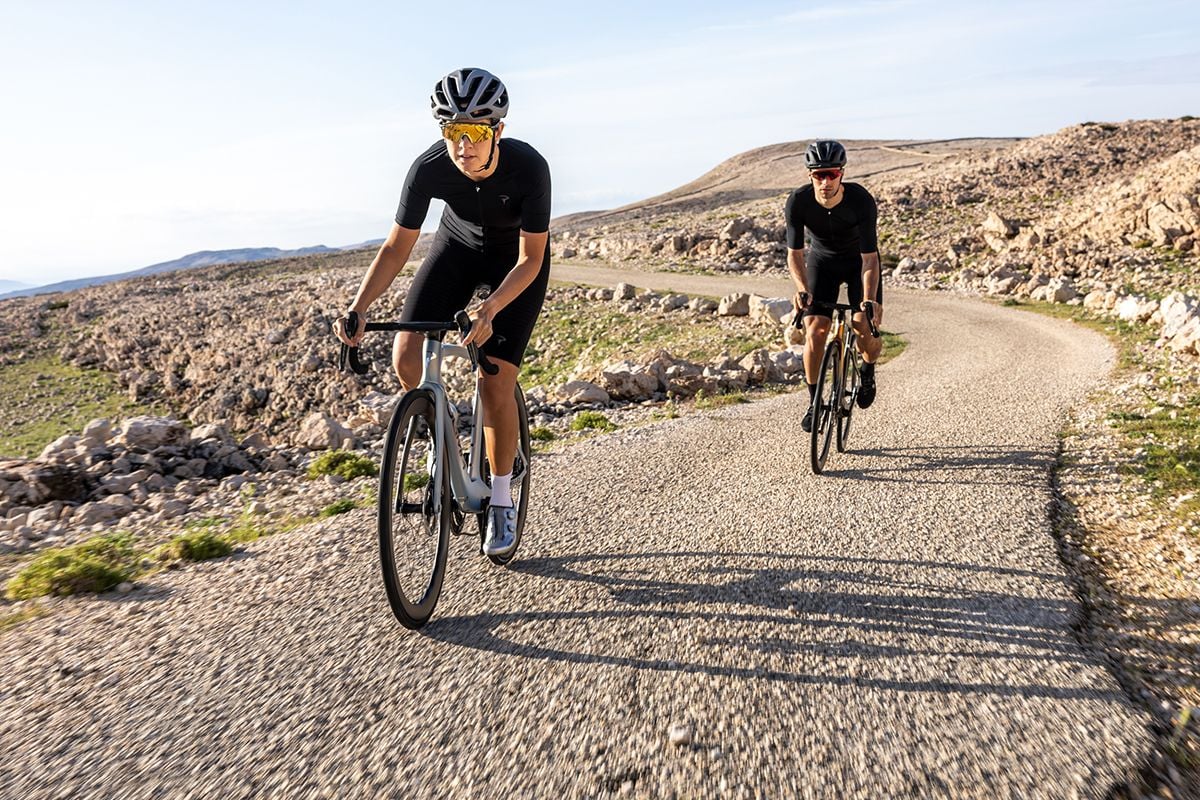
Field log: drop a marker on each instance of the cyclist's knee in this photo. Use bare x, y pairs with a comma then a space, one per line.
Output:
818, 330
406, 358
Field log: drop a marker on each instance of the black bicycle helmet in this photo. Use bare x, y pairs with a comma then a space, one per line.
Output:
469, 94
824, 154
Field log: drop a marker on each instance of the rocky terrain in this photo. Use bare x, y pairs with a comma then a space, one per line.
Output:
1103, 218
260, 405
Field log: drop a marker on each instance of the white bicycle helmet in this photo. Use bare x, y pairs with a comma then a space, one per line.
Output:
469, 94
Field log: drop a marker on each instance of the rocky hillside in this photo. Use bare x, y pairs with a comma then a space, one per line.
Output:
1090, 202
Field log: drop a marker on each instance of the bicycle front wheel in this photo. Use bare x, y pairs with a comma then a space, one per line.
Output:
825, 406
847, 396
520, 479
414, 510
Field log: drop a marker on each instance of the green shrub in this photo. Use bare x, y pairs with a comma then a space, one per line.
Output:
542, 434
707, 401
592, 420
338, 507
199, 545
343, 463
96, 565
246, 529
415, 480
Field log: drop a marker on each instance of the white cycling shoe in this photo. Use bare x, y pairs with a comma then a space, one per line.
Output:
501, 537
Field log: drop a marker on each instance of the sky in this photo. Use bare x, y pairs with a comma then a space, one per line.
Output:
136, 132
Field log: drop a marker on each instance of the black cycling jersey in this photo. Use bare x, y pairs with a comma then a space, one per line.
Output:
485, 215
847, 229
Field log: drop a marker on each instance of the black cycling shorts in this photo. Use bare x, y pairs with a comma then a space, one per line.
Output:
825, 279
447, 279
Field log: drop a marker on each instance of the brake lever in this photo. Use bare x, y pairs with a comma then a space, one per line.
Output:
463, 320
348, 356
869, 308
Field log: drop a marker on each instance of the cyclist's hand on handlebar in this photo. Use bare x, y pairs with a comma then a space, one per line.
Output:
481, 326
875, 310
802, 300
339, 329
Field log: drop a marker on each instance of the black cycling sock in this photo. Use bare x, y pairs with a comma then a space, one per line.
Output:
868, 369
812, 391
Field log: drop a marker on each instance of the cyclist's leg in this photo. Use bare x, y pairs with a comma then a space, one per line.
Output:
511, 331
824, 281
498, 393
441, 287
869, 346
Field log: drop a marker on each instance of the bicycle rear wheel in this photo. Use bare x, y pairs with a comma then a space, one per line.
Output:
414, 510
825, 406
847, 397
520, 479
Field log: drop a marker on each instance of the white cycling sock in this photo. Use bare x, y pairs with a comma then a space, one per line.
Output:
501, 491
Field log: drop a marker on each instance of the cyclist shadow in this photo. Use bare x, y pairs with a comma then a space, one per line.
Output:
749, 617
991, 465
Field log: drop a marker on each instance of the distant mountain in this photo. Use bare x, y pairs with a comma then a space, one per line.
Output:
13, 286
204, 258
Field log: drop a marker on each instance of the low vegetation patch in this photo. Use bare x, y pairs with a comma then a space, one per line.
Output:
43, 398
893, 345
541, 433
1161, 424
14, 618
96, 565
338, 507
197, 545
706, 401
343, 463
572, 333
415, 480
592, 421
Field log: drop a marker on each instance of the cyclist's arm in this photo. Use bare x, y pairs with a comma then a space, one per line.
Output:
392, 256
870, 279
796, 268
532, 249
795, 245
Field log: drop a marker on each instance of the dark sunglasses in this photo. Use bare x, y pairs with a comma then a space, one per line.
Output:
826, 174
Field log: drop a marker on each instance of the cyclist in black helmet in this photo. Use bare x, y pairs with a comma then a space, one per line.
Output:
494, 231
837, 220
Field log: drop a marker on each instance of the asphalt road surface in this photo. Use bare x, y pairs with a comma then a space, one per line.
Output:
692, 614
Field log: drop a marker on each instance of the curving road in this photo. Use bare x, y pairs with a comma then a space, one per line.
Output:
899, 627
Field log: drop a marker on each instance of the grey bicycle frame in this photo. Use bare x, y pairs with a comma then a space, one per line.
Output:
467, 484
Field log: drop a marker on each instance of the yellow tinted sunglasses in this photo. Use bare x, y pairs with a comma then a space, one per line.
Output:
455, 131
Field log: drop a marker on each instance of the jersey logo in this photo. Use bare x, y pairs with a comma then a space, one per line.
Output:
503, 199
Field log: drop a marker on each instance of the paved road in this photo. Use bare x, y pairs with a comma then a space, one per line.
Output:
898, 627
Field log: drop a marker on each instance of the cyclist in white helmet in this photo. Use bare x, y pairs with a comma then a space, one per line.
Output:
494, 231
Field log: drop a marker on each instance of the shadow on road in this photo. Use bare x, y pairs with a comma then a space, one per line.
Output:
972, 465
752, 615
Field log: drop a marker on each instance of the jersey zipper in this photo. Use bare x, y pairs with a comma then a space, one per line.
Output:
482, 226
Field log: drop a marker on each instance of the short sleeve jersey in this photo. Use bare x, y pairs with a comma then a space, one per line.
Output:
487, 215
847, 229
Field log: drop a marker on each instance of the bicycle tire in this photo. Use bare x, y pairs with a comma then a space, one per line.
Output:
848, 395
520, 488
414, 510
824, 407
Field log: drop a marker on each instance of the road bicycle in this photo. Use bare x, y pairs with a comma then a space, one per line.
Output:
433, 476
837, 384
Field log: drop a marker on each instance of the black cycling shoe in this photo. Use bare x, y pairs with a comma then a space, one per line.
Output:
806, 423
866, 390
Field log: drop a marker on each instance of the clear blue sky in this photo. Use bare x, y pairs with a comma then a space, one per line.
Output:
137, 132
